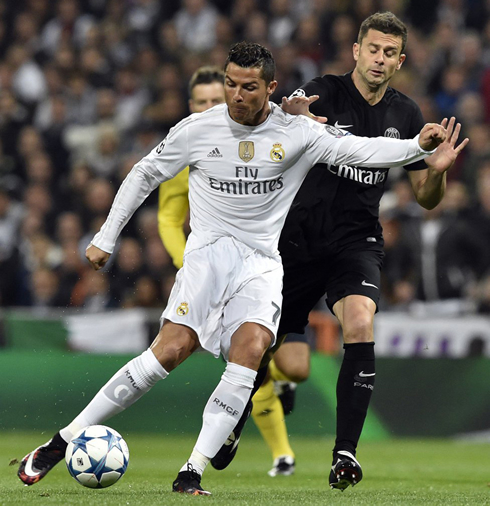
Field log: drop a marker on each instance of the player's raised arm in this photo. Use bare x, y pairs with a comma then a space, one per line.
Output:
168, 159
377, 152
429, 185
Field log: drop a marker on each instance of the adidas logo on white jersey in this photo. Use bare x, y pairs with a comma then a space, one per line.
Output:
215, 154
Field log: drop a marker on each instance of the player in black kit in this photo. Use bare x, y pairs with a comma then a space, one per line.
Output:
332, 240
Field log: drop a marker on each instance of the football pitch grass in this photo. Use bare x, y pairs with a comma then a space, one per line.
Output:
396, 472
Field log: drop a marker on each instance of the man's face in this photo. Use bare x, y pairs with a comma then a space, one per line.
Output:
378, 57
247, 94
205, 96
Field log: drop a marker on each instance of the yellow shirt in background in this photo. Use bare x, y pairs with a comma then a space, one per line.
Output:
173, 205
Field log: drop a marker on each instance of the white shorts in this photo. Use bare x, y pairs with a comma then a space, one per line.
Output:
220, 287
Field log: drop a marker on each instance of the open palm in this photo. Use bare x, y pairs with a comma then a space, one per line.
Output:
447, 152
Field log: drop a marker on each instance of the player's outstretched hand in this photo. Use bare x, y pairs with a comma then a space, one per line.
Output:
96, 257
447, 152
297, 105
431, 136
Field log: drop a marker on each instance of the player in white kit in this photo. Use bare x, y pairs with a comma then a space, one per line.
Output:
247, 159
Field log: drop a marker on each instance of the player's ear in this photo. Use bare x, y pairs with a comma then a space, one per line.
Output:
400, 61
355, 51
271, 87
191, 104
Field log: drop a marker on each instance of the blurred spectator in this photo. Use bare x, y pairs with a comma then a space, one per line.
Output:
146, 294
92, 292
28, 81
71, 269
131, 98
13, 117
282, 24
82, 139
11, 214
45, 289
99, 194
69, 228
453, 86
399, 267
81, 99
196, 25
26, 31
96, 68
449, 255
128, 268
478, 154
104, 160
69, 25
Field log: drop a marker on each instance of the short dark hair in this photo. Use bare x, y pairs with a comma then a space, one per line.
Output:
206, 75
385, 22
251, 54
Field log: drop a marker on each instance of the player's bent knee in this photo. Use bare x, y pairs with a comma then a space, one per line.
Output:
173, 344
248, 345
359, 330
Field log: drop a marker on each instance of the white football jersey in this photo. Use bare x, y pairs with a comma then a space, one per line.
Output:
242, 179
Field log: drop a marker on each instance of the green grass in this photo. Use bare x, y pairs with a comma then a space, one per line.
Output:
397, 472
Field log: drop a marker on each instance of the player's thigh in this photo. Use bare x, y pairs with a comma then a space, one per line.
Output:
303, 286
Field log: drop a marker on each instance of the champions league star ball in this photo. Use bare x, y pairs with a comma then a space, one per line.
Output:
97, 456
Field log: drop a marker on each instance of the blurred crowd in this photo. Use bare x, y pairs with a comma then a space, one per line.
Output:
88, 87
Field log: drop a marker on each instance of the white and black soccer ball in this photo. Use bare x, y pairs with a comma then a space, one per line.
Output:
97, 456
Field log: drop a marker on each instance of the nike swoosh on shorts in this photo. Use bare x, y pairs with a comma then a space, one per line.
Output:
365, 283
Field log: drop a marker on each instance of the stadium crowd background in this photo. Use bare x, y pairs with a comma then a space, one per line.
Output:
88, 87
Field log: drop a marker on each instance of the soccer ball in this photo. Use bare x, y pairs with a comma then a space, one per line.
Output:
97, 456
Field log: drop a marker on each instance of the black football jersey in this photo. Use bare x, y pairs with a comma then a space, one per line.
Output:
339, 205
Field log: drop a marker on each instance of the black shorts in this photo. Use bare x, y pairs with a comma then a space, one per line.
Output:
352, 270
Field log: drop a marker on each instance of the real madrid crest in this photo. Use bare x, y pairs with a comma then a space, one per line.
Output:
277, 153
246, 150
183, 309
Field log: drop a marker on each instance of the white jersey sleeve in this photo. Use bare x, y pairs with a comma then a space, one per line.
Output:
326, 144
165, 161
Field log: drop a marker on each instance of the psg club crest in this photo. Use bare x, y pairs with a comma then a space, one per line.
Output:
246, 150
392, 132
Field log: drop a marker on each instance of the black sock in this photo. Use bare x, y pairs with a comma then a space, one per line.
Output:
354, 388
59, 442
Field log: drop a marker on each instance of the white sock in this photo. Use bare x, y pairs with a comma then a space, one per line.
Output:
197, 461
224, 408
126, 386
